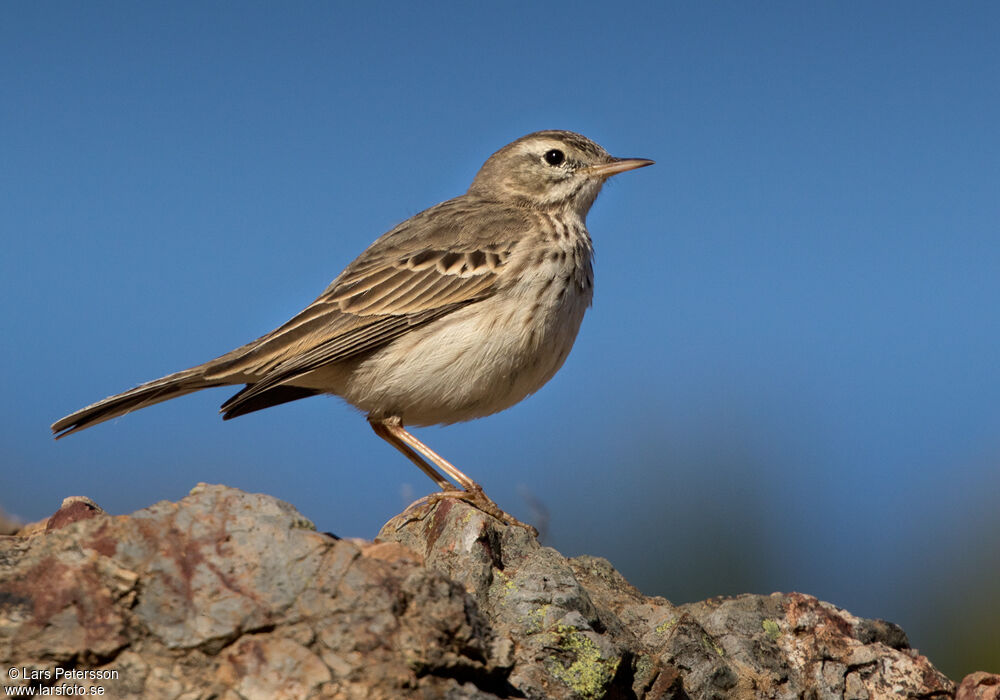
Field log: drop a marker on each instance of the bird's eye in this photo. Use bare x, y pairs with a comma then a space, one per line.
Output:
554, 157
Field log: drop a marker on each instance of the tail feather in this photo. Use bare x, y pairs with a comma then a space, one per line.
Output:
237, 406
144, 395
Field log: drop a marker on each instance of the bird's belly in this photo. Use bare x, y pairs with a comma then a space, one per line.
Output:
474, 362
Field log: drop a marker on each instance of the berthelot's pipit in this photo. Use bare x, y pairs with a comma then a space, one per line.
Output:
456, 313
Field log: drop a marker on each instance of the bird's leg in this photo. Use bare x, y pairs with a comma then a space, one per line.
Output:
394, 426
382, 429
392, 431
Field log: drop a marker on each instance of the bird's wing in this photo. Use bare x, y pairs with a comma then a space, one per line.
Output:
422, 270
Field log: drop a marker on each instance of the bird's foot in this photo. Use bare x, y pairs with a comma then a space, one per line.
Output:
476, 498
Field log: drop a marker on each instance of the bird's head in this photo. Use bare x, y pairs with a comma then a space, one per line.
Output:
550, 170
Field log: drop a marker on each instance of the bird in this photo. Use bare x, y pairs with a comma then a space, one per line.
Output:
459, 312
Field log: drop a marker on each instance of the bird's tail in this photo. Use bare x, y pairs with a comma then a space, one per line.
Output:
162, 389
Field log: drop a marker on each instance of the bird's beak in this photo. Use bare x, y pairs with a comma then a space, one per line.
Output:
618, 165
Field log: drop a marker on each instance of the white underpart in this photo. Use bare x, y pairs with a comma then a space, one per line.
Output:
480, 359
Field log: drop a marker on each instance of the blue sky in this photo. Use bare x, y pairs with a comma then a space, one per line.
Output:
788, 381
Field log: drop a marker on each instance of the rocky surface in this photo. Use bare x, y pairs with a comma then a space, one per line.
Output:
232, 595
8, 525
979, 686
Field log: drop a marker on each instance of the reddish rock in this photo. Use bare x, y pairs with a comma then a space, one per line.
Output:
979, 686
73, 509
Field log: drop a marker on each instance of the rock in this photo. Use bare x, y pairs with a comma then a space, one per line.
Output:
8, 525
979, 686
233, 595
73, 509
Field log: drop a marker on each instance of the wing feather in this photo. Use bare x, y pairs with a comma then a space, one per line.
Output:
397, 284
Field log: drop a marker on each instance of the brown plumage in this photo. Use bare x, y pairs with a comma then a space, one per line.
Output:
456, 313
